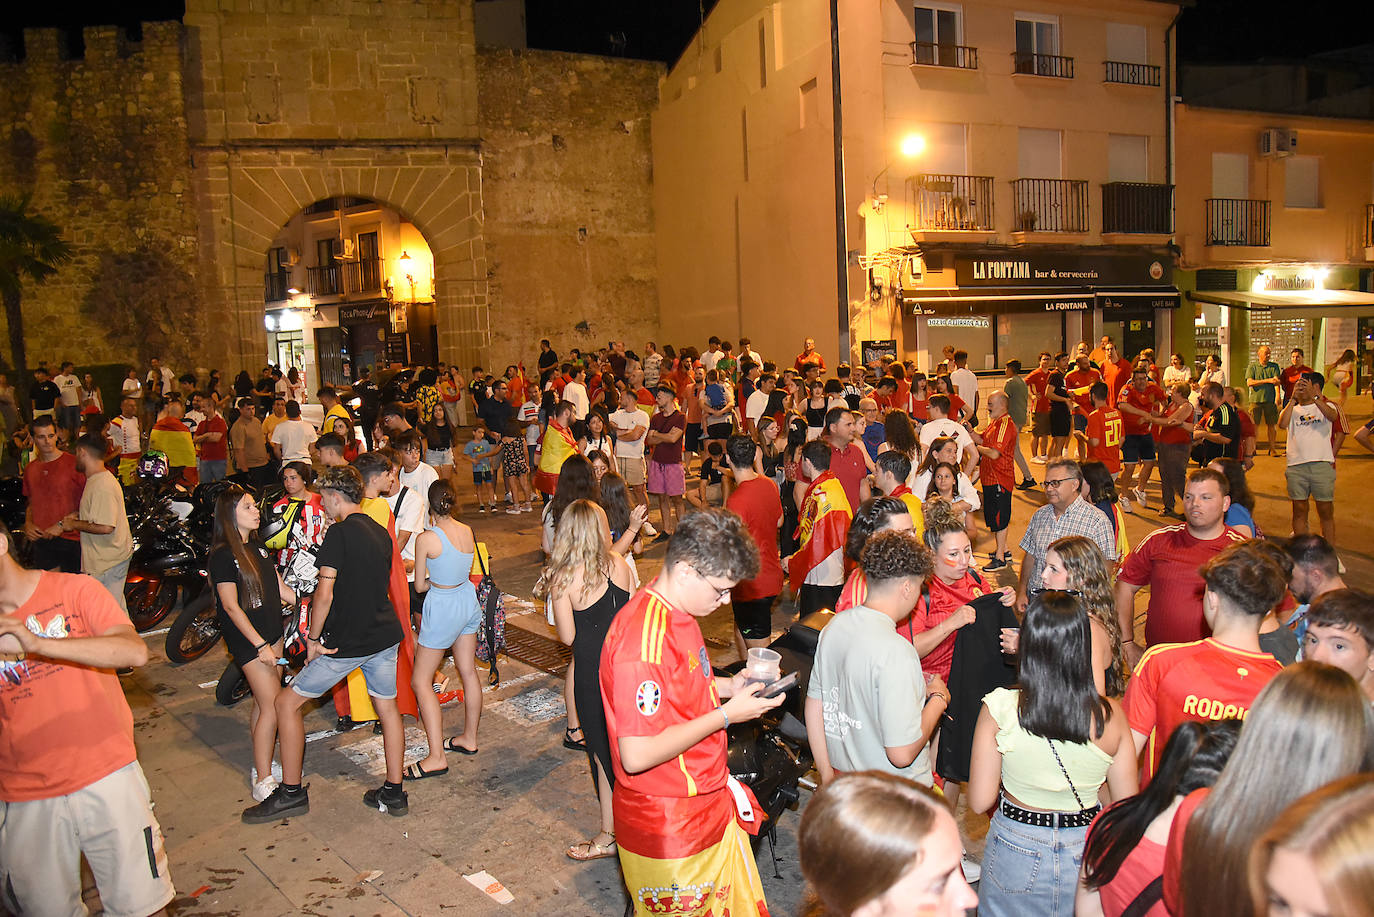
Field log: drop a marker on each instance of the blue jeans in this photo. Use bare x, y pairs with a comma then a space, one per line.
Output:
1029, 870
212, 470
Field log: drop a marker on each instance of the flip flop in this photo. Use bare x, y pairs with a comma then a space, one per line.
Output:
591, 850
452, 745
575, 744
416, 772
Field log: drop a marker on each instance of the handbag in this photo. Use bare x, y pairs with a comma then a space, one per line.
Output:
491, 635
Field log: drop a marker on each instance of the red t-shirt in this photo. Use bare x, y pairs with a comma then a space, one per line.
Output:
218, 450
942, 600
1116, 375
1142, 401
1142, 866
1036, 382
1173, 851
849, 467
919, 408
66, 726
1167, 560
1079, 381
888, 402
1247, 424
1174, 435
756, 501
1000, 435
54, 490
668, 453
956, 408
1204, 680
1104, 425
1289, 378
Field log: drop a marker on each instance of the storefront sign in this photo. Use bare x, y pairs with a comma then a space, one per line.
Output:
962, 321
363, 312
966, 307
873, 351
1139, 300
1061, 269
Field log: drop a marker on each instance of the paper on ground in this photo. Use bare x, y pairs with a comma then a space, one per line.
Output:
494, 889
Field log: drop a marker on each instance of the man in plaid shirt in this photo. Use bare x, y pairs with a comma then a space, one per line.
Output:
1067, 513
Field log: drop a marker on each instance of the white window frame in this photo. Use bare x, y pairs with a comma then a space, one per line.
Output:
1046, 19
937, 7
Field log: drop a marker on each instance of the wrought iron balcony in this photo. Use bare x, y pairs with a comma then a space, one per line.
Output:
1132, 74
1129, 206
1042, 64
951, 202
941, 54
1234, 221
346, 277
1050, 205
274, 286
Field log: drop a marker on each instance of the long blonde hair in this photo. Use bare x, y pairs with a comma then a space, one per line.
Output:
1087, 568
580, 549
1334, 827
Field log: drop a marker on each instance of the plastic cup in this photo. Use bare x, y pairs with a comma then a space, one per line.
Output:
763, 665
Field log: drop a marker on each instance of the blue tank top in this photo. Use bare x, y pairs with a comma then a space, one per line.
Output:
452, 566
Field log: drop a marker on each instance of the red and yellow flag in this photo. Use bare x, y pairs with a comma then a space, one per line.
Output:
825, 518
558, 446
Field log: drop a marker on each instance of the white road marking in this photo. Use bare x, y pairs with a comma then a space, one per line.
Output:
209, 684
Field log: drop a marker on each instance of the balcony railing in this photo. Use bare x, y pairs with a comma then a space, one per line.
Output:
344, 277
1369, 225
941, 54
951, 202
1233, 221
1129, 206
1134, 74
1050, 205
274, 286
1042, 64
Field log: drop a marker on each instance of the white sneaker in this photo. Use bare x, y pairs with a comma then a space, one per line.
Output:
1340, 566
526, 507
1140, 497
1124, 503
1039, 459
647, 530
263, 788
253, 774
512, 510
972, 871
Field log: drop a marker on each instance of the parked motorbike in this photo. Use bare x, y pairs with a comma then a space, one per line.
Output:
196, 627
233, 685
165, 568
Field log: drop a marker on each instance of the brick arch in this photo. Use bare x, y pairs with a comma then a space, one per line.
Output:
438, 191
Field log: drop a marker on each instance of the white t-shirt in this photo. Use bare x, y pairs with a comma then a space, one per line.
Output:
932, 430
963, 489
756, 405
626, 421
709, 358
68, 385
294, 437
409, 509
1176, 375
1309, 435
576, 393
965, 385
130, 387
122, 432
419, 480
193, 419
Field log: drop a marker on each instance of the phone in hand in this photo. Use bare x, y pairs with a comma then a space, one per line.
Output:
785, 683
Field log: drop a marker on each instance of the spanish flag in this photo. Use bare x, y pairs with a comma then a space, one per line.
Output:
557, 447
825, 518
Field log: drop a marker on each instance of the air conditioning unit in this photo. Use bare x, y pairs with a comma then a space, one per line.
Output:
1278, 142
292, 257
345, 250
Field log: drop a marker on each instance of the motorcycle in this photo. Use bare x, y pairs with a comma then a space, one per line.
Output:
196, 627
233, 684
164, 569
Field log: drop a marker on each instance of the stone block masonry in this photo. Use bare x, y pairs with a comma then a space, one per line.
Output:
567, 189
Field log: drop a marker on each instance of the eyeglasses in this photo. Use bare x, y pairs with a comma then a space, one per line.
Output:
721, 594
1041, 590
1056, 482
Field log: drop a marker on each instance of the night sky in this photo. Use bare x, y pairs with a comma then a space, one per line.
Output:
1219, 30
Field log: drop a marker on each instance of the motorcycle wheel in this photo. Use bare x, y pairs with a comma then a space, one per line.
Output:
194, 631
149, 601
232, 687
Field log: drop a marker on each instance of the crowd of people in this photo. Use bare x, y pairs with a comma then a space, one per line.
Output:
1210, 753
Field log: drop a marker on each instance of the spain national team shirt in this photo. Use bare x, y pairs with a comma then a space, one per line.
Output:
1000, 435
1105, 426
1153, 397
1167, 560
941, 600
1203, 680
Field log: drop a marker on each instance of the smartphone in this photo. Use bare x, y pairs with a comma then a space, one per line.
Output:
785, 683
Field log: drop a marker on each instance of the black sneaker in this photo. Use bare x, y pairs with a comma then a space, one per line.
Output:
279, 805
1027, 484
996, 563
662, 537
344, 724
392, 802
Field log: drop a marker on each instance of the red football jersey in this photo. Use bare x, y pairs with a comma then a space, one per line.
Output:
1146, 401
1000, 435
1105, 426
1079, 382
1167, 560
1036, 382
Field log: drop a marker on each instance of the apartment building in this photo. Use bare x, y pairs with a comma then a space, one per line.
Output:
1005, 173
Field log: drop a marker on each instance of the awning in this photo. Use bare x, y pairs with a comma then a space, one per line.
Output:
1290, 303
1003, 300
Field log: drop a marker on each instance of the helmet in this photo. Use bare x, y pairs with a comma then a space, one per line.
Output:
153, 466
275, 530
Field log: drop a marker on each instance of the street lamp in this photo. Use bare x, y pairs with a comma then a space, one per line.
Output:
911, 146
408, 270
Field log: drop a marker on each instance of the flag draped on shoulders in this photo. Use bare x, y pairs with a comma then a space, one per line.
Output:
558, 446
824, 523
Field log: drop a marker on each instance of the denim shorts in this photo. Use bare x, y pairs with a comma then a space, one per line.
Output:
322, 674
481, 477
1029, 870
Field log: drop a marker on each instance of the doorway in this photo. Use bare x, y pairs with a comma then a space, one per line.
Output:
1133, 330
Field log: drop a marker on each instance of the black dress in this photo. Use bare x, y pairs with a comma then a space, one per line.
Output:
266, 617
592, 623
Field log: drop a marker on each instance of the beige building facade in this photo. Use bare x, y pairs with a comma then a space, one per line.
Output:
1006, 178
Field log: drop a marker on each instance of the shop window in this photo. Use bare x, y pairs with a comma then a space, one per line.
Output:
1302, 182
1021, 336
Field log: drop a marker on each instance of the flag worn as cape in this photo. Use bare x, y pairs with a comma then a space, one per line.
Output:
824, 523
557, 447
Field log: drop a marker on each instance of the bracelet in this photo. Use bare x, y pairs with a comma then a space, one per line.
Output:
260, 646
311, 639
938, 694
724, 716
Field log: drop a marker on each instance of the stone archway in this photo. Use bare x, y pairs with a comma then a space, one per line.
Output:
248, 192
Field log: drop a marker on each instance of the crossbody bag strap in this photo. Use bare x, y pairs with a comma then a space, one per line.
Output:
1065, 771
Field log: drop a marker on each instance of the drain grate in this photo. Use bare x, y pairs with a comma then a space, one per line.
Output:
541, 652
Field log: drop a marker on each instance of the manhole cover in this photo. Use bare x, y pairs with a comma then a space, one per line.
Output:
541, 652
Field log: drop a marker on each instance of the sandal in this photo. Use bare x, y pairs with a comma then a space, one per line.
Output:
578, 744
591, 850
416, 772
452, 745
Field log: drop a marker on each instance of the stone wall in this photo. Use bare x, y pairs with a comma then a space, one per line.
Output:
100, 144
567, 187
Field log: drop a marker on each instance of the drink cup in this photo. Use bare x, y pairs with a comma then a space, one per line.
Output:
764, 666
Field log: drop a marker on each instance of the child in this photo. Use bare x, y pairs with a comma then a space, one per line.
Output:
480, 452
1105, 434
710, 485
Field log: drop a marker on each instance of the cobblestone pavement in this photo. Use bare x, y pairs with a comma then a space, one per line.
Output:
511, 810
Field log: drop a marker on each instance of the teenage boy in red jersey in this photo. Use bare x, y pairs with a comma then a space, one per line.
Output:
679, 816
1217, 677
1040, 407
1138, 402
997, 447
1104, 431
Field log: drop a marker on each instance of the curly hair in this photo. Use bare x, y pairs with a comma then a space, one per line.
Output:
343, 480
1247, 576
900, 434
716, 543
941, 520
893, 555
579, 549
1088, 574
